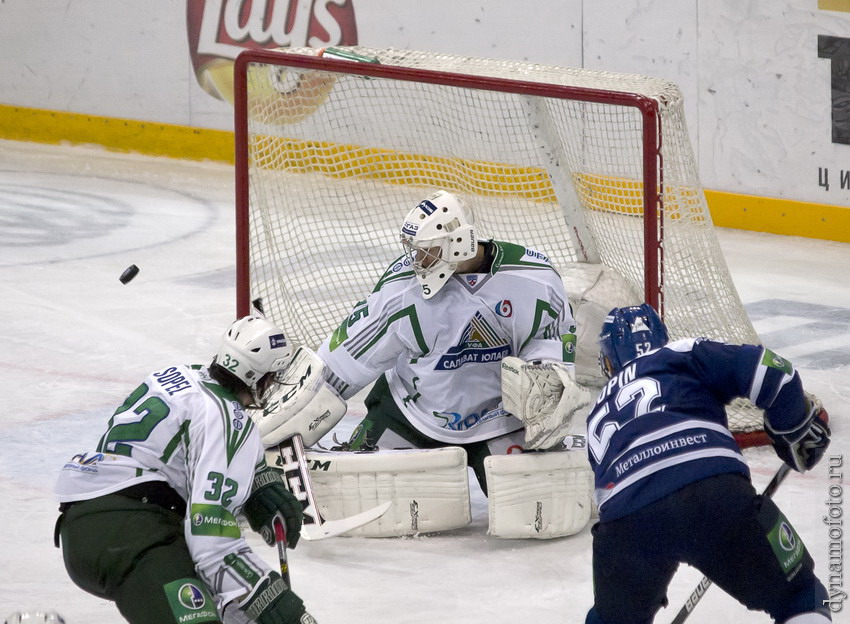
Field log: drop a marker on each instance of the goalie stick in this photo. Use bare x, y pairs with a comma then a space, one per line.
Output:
296, 477
705, 583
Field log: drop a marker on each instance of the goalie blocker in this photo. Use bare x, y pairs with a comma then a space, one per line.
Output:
531, 495
303, 403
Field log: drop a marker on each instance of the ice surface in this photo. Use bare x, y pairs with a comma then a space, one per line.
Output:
76, 340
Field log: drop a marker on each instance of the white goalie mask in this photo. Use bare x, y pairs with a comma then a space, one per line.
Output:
251, 348
437, 235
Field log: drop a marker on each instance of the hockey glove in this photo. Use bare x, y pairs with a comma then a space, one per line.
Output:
807, 450
270, 498
272, 602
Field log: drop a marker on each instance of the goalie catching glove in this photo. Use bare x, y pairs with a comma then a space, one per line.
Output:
544, 396
303, 402
804, 447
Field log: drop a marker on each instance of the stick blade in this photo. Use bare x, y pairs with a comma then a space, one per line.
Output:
333, 528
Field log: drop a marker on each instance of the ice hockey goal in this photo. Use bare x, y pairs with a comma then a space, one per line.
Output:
592, 168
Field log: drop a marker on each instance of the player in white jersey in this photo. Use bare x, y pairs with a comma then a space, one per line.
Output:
149, 516
436, 329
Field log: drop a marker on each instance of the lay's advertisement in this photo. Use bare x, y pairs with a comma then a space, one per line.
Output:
766, 82
219, 30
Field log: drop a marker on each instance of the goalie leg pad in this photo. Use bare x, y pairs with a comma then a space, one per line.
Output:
428, 488
538, 495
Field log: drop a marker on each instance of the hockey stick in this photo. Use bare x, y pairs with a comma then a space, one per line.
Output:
296, 477
705, 583
280, 538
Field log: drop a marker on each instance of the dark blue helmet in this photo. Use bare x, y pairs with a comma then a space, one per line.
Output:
628, 333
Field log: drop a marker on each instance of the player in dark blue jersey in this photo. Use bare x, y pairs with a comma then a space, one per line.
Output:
671, 484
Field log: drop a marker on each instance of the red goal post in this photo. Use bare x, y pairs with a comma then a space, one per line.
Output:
592, 168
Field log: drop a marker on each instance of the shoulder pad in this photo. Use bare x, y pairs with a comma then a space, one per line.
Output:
683, 345
512, 255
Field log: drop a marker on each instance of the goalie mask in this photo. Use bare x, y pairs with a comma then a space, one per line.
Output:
254, 351
437, 235
628, 333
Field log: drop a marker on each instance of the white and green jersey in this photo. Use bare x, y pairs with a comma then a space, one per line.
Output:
442, 355
183, 428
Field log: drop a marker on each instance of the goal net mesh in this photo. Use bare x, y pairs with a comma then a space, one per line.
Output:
333, 160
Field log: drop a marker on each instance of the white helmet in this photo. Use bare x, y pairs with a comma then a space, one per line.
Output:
438, 235
251, 348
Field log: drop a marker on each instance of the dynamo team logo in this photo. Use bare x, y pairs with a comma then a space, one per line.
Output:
504, 308
427, 207
191, 597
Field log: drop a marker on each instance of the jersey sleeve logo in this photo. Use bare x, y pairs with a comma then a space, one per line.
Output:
774, 361
214, 521
568, 342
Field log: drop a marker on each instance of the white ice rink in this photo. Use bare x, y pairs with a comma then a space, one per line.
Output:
76, 341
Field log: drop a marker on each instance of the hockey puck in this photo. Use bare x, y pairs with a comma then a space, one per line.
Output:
129, 273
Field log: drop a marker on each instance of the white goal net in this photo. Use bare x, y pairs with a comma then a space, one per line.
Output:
591, 168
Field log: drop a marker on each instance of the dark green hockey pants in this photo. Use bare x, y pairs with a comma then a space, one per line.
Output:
134, 554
